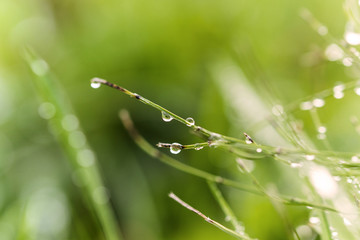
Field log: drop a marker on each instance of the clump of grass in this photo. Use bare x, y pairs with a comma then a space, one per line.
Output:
326, 195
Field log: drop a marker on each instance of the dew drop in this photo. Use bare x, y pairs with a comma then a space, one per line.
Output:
306, 105
314, 220
352, 38
198, 147
347, 62
321, 136
47, 110
70, 122
357, 91
355, 159
310, 157
248, 141
175, 148
322, 30
166, 117
318, 102
322, 129
296, 165
277, 110
95, 85
190, 122
259, 150
333, 52
339, 95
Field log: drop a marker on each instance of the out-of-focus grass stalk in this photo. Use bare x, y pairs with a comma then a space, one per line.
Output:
73, 143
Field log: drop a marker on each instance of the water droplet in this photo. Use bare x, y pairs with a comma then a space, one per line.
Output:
47, 110
248, 141
339, 95
306, 105
277, 110
39, 67
339, 88
70, 122
318, 102
86, 158
349, 180
296, 165
175, 148
322, 129
190, 121
166, 117
347, 62
333, 52
321, 136
227, 219
357, 91
355, 159
259, 150
334, 234
198, 147
77, 139
310, 157
322, 30
95, 85
352, 38
314, 220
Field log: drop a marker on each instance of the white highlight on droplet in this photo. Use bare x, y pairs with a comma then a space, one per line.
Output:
333, 52
166, 117
175, 148
355, 159
310, 157
296, 165
322, 129
95, 85
277, 110
323, 182
306, 105
322, 30
347, 62
314, 220
259, 150
318, 102
190, 122
357, 91
352, 38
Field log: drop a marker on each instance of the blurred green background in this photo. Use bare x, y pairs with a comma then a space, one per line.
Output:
167, 51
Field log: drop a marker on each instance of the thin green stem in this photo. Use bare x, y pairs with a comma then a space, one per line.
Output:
207, 219
229, 214
152, 151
